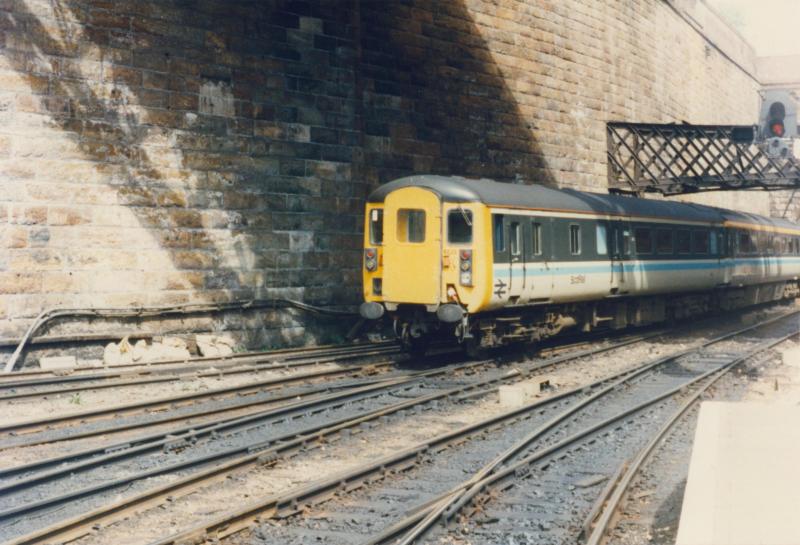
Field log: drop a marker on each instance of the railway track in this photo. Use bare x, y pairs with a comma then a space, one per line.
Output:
240, 398
563, 438
196, 468
55, 376
553, 463
54, 385
178, 401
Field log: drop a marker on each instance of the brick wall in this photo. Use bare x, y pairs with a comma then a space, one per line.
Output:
157, 152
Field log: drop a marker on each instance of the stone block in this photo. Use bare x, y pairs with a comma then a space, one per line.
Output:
516, 395
58, 362
215, 346
791, 356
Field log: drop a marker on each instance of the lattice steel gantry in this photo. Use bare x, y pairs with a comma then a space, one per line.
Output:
672, 159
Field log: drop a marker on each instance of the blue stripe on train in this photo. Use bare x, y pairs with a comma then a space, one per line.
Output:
606, 267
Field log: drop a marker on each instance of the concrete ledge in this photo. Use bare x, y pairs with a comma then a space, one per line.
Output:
744, 477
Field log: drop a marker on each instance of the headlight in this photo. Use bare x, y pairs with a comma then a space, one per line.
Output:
371, 259
465, 257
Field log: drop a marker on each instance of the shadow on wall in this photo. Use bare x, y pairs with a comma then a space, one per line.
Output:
243, 137
192, 116
436, 100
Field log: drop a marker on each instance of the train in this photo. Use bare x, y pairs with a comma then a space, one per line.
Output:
491, 263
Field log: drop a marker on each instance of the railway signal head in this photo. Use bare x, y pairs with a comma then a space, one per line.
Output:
778, 115
777, 123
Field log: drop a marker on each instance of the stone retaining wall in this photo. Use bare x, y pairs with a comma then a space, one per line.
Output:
159, 152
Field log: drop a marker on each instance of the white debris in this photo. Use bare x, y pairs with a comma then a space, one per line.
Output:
169, 348
215, 346
118, 354
139, 350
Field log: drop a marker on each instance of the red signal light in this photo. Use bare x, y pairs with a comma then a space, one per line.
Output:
466, 254
777, 128
370, 253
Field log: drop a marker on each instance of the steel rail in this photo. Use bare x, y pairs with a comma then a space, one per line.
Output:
603, 524
172, 418
219, 371
166, 419
283, 354
264, 452
189, 432
78, 525
447, 505
171, 400
291, 501
200, 432
220, 366
175, 438
169, 417
244, 404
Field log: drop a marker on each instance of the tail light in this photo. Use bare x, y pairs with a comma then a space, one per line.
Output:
465, 266
371, 259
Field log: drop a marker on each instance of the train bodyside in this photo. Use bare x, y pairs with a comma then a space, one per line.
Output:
496, 263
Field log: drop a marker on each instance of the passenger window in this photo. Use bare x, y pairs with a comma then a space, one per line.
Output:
626, 242
410, 225
515, 238
602, 240
459, 226
376, 226
644, 241
683, 241
575, 239
700, 242
746, 245
664, 241
499, 239
712, 240
536, 239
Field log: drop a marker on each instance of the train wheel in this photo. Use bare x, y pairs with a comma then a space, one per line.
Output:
473, 349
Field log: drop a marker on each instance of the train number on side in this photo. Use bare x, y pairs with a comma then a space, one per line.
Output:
577, 279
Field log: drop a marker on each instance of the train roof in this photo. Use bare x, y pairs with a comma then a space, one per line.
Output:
539, 197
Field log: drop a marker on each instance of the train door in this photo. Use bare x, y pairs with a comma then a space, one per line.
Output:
538, 253
619, 250
727, 252
719, 251
503, 267
412, 246
515, 227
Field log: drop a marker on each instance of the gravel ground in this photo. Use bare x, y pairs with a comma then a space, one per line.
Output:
547, 507
390, 436
381, 505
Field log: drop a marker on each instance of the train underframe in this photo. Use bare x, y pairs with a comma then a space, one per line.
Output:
416, 328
